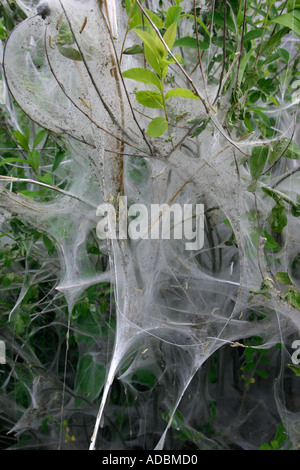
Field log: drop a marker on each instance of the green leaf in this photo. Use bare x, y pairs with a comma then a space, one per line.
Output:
249, 76
34, 159
145, 377
151, 99
292, 4
191, 43
265, 119
19, 324
143, 75
132, 7
266, 85
258, 160
271, 58
244, 62
295, 369
281, 435
60, 155
154, 59
295, 210
156, 19
290, 20
278, 219
22, 139
276, 195
3, 31
8, 279
200, 127
265, 446
32, 194
274, 40
293, 151
259, 11
153, 48
226, 222
254, 96
177, 421
166, 62
253, 34
136, 49
157, 127
128, 6
278, 441
70, 53
218, 19
173, 15
46, 178
262, 373
295, 298
136, 20
140, 20
270, 244
198, 20
278, 149
284, 54
65, 35
90, 378
12, 160
170, 36
39, 137
49, 245
182, 92
284, 278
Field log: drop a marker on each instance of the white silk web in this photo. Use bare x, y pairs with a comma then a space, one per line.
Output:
175, 309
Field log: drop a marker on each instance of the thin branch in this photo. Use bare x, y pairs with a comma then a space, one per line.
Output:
126, 153
48, 186
183, 139
285, 176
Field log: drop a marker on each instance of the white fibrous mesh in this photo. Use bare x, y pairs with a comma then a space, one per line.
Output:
175, 309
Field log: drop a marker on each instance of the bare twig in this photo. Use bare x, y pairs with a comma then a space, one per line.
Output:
285, 176
49, 186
